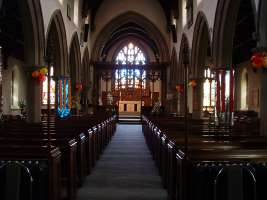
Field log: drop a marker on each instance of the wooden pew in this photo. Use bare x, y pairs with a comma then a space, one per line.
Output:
165, 138
42, 165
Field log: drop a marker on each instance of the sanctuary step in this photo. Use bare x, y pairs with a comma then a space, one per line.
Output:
129, 118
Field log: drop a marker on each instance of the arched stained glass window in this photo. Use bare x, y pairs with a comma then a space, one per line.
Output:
132, 55
130, 77
52, 89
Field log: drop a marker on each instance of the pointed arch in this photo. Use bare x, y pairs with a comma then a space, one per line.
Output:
201, 48
142, 46
131, 23
56, 43
75, 60
224, 30
34, 29
130, 53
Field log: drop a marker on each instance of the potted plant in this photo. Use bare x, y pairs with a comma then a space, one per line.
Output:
22, 105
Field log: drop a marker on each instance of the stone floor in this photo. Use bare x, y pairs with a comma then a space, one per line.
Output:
125, 171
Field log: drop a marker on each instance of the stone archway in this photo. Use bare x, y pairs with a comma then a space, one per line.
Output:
56, 44
201, 57
233, 44
224, 30
31, 40
154, 36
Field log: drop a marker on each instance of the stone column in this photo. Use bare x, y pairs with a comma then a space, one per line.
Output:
197, 100
33, 96
163, 87
263, 103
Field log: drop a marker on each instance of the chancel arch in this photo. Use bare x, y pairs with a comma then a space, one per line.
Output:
139, 26
129, 52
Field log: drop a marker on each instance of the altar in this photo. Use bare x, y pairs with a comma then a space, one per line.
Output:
130, 106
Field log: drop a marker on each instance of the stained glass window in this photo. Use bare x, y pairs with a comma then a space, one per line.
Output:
209, 89
131, 54
52, 89
130, 77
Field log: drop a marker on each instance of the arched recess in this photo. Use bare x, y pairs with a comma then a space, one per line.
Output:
75, 60
56, 44
201, 57
131, 24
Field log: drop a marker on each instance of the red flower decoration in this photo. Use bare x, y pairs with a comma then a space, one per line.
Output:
257, 60
179, 88
42, 78
79, 87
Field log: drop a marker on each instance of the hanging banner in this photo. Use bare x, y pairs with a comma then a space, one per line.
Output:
63, 97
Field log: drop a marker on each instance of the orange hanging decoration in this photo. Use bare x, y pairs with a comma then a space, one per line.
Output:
35, 74
192, 83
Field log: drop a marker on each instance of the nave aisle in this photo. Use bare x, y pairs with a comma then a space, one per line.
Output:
125, 171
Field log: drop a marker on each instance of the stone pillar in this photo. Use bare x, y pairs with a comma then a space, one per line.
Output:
197, 100
33, 96
263, 103
163, 87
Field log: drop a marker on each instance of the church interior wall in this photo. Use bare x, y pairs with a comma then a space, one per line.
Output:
50, 6
253, 87
15, 86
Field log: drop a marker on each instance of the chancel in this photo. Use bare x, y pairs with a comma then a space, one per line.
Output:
133, 100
